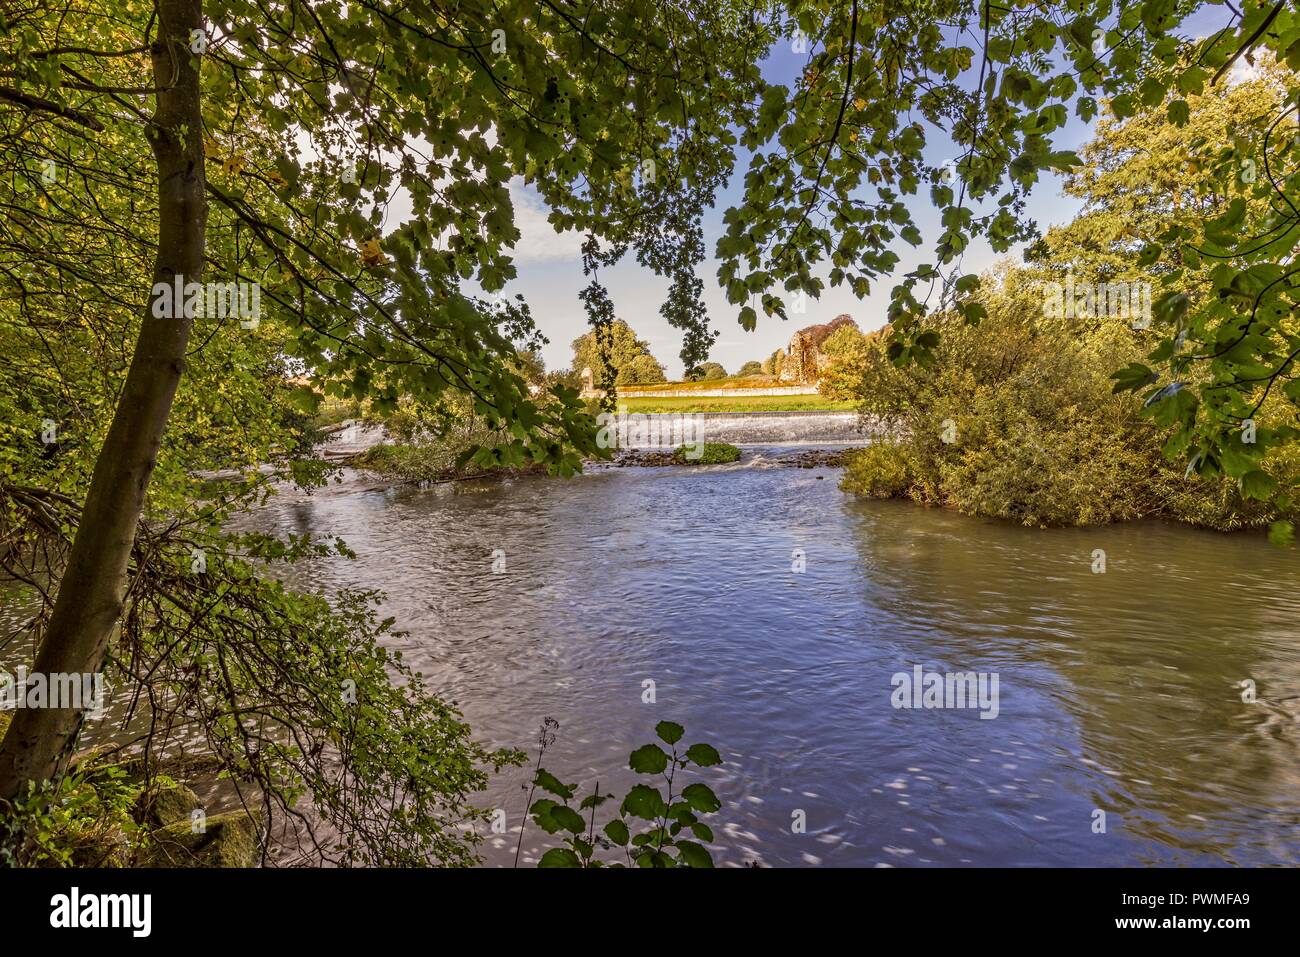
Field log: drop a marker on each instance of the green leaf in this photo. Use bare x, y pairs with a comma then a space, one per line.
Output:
543, 813
559, 857
694, 854
1258, 484
1132, 377
617, 832
705, 755
649, 759
568, 818
549, 782
644, 802
669, 732
700, 797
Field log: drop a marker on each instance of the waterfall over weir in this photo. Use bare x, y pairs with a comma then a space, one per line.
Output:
749, 428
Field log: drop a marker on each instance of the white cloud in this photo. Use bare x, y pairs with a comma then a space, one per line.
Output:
539, 242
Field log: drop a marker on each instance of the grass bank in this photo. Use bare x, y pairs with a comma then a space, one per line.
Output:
730, 382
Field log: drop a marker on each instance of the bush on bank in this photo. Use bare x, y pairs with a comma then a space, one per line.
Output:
1016, 419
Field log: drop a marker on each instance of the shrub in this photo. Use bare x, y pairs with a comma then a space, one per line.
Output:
773, 363
431, 444
651, 829
878, 471
715, 453
83, 819
1016, 419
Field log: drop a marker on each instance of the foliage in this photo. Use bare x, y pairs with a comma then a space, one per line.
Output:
1226, 336
1017, 420
642, 370
715, 453
650, 826
528, 365
355, 162
845, 352
857, 121
85, 819
773, 363
753, 367
878, 471
615, 355
709, 371
425, 463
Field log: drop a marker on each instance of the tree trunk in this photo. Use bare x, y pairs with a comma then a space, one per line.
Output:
93, 586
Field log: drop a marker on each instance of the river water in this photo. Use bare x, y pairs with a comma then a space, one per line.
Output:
1118, 692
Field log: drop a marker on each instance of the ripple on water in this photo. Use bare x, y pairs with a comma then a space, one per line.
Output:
1118, 691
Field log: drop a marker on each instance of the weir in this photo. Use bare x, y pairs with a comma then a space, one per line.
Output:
764, 428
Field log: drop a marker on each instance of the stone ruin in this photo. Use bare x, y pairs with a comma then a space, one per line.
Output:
804, 359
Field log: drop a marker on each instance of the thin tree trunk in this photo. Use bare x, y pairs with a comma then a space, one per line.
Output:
93, 586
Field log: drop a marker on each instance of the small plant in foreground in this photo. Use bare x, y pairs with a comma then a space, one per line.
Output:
649, 828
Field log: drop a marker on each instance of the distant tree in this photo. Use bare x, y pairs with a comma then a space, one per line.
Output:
528, 363
608, 350
772, 364
643, 370
568, 378
847, 351
753, 367
710, 370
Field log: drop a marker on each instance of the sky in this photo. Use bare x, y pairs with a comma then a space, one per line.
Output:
550, 267
550, 270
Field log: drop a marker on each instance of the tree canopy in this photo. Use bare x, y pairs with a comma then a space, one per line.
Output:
615, 355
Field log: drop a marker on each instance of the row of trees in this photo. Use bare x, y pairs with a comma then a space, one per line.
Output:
616, 356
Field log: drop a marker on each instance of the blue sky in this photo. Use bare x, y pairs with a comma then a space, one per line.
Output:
550, 271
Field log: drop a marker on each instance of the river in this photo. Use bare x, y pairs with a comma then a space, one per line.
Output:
1118, 691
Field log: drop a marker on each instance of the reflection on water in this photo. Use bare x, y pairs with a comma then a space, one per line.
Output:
1118, 691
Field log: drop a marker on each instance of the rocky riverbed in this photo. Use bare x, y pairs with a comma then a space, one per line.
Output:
801, 458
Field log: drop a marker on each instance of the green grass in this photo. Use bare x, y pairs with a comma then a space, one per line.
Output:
757, 403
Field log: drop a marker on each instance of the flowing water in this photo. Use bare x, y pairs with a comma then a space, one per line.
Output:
642, 429
1118, 692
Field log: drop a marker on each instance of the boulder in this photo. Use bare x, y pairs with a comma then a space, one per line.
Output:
227, 840
165, 804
